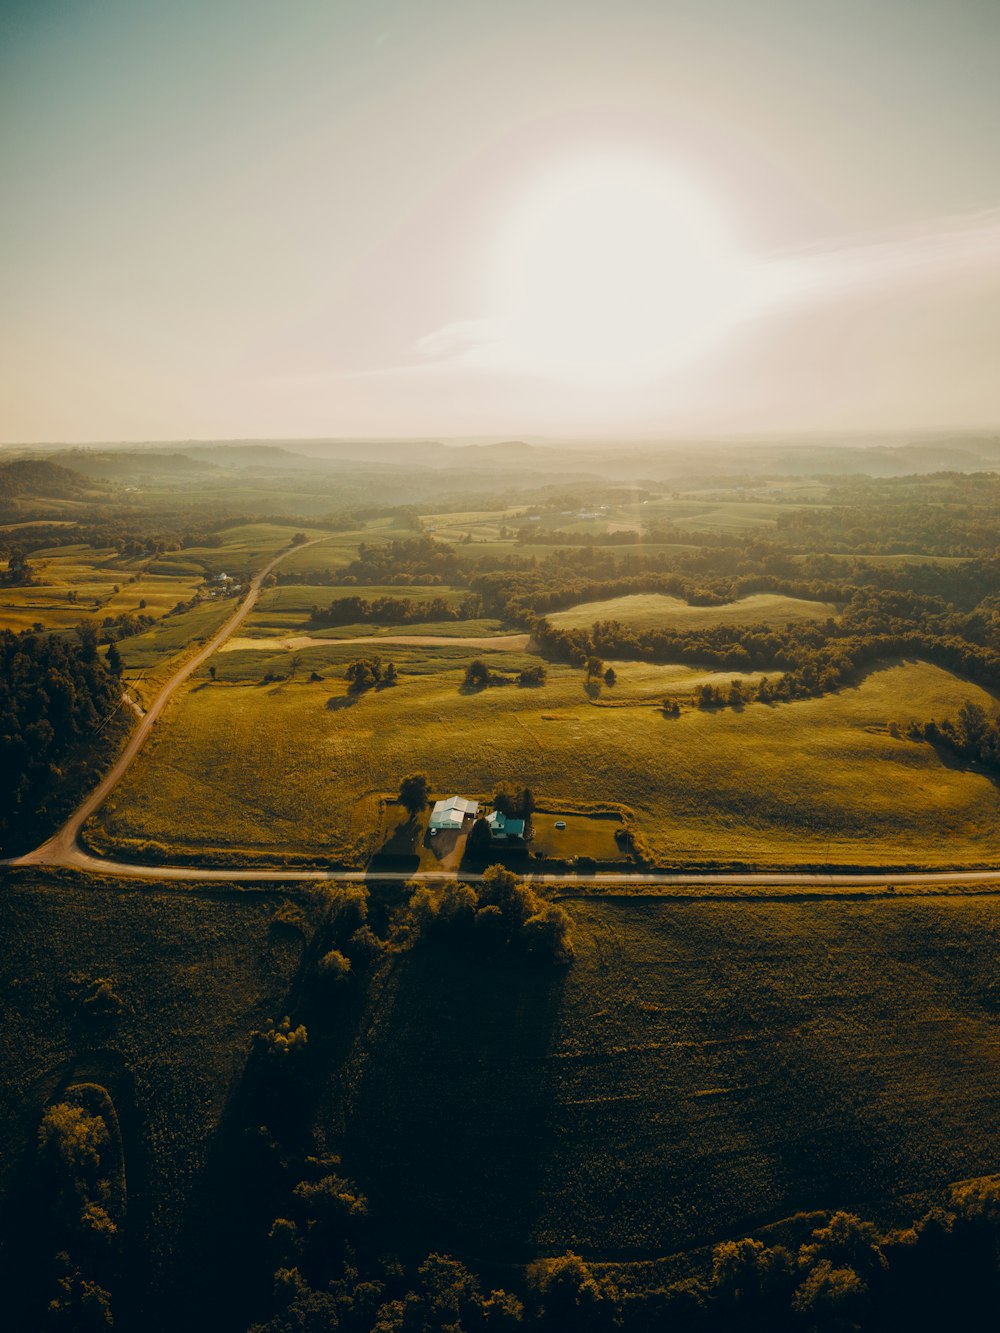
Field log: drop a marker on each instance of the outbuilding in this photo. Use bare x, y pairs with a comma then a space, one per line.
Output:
451, 813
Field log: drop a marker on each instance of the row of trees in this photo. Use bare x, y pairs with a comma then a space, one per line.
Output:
393, 611
973, 735
847, 1276
79, 1170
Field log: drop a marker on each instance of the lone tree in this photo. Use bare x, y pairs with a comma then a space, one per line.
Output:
595, 667
114, 660
477, 674
413, 793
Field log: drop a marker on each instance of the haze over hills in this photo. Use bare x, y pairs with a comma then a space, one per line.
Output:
894, 456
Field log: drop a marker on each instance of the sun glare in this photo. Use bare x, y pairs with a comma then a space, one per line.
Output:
611, 269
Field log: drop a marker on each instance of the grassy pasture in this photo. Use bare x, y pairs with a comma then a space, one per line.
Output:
264, 769
342, 547
704, 1067
655, 610
195, 973
247, 546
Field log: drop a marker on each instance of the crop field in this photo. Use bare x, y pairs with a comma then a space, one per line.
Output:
195, 975
704, 1067
260, 767
655, 610
74, 584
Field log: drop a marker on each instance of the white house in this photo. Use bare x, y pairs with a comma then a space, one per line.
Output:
451, 813
503, 828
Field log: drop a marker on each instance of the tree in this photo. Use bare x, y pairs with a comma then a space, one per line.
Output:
413, 792
334, 967
504, 800
526, 804
212, 671
114, 660
480, 838
390, 677
570, 1296
609, 676
594, 667
477, 674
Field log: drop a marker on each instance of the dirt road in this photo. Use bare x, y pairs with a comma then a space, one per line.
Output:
62, 848
511, 643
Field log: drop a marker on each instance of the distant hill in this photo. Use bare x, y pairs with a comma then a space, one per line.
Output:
38, 479
130, 464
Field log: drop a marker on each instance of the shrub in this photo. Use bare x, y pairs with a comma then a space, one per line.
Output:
335, 968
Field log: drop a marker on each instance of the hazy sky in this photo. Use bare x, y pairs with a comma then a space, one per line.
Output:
312, 217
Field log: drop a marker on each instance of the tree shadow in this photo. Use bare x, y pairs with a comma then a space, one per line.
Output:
449, 1123
338, 702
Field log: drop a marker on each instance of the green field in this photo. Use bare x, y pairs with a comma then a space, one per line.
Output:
254, 767
704, 1067
656, 610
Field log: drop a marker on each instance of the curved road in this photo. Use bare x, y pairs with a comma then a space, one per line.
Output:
63, 849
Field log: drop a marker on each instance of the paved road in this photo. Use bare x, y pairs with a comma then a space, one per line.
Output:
63, 848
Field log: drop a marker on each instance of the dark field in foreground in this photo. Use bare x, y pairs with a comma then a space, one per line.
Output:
195, 973
704, 1067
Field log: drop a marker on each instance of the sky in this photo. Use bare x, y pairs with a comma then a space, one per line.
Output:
299, 218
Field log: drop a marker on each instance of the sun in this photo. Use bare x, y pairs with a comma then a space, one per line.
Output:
613, 268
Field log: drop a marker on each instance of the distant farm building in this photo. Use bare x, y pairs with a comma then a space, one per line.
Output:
505, 829
451, 814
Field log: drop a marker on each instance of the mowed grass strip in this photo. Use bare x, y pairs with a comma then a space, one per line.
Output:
276, 767
701, 1069
656, 610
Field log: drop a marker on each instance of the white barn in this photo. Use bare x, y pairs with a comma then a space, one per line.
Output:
451, 813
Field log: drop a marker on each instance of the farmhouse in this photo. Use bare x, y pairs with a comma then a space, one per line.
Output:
503, 828
451, 813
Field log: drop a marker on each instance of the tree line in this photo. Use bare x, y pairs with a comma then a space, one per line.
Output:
56, 693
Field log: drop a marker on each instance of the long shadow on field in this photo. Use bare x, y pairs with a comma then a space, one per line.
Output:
449, 1120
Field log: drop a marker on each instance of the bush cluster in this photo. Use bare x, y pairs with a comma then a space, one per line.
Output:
500, 912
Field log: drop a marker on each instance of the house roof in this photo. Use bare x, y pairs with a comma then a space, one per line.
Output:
460, 803
450, 812
501, 823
